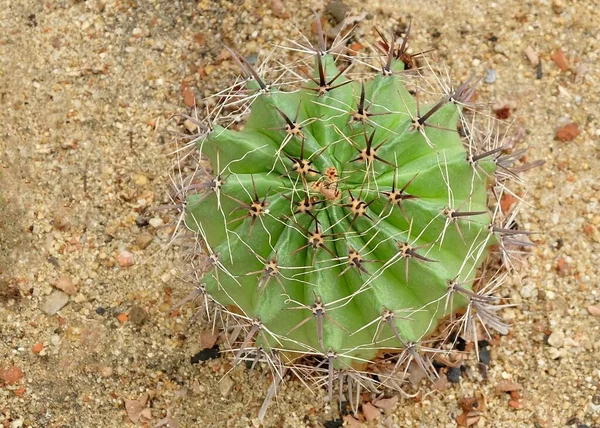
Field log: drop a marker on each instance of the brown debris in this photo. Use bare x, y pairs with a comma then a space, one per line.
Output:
278, 9
507, 386
503, 112
567, 132
351, 421
465, 419
189, 99
562, 266
208, 338
200, 38
64, 283
558, 56
370, 411
506, 202
11, 375
470, 404
386, 404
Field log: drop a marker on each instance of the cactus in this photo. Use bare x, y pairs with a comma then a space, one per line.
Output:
345, 224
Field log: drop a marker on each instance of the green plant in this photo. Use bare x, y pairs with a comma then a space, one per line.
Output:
345, 225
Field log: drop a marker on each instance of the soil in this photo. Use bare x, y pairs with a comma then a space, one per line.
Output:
87, 92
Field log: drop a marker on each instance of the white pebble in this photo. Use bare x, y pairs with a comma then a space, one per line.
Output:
156, 222
556, 339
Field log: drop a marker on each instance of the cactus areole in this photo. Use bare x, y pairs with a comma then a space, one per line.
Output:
346, 219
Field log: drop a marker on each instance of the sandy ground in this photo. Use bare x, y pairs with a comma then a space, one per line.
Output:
86, 92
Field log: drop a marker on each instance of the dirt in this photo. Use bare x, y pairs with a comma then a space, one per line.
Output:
87, 92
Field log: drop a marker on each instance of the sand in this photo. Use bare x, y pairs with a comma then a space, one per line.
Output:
87, 90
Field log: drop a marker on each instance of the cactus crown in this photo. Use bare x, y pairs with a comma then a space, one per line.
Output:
347, 218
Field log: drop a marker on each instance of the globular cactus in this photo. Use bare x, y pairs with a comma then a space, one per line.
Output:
346, 223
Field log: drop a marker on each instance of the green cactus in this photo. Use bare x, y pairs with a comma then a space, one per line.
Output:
346, 219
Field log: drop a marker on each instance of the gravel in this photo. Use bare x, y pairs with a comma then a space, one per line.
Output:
87, 91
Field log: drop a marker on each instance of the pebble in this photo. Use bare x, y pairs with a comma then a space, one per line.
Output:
190, 126
532, 56
454, 374
278, 9
64, 283
125, 259
225, 386
137, 315
17, 423
143, 240
140, 180
189, 99
337, 10
156, 222
371, 412
558, 56
594, 310
11, 375
490, 76
484, 356
528, 291
567, 132
556, 339
499, 48
55, 302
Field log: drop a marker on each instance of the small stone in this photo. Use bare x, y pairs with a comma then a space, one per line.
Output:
507, 386
556, 339
484, 355
348, 420
529, 291
134, 409
490, 76
567, 132
125, 259
80, 298
594, 310
509, 314
65, 284
371, 412
37, 348
278, 9
190, 126
17, 423
143, 240
532, 56
200, 38
156, 222
189, 99
137, 32
140, 180
106, 371
386, 404
137, 315
225, 386
337, 10
11, 375
454, 374
558, 56
55, 302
